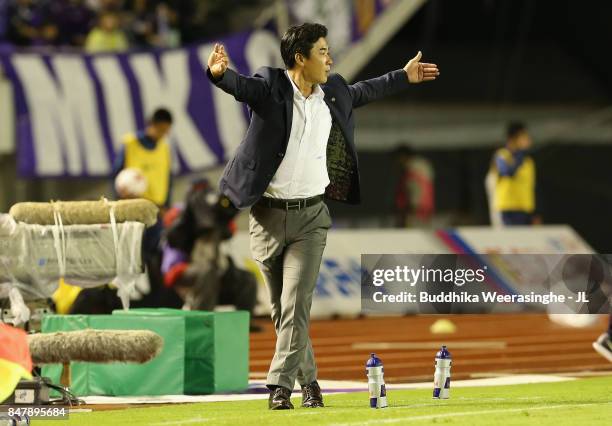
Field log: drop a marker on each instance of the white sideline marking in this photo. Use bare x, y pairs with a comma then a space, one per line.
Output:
469, 413
516, 379
327, 385
180, 422
476, 344
203, 419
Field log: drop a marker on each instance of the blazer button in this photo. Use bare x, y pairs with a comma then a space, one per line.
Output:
281, 155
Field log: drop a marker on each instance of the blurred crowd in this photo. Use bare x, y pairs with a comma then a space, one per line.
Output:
111, 25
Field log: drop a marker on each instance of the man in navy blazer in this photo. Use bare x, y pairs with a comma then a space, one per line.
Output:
299, 149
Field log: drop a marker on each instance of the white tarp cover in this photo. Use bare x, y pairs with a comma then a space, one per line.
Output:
34, 257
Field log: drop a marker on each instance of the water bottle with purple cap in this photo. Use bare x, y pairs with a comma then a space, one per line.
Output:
376, 382
442, 374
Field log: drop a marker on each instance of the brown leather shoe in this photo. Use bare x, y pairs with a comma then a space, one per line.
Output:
311, 396
280, 399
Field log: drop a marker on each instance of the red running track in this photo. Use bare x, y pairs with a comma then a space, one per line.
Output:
482, 345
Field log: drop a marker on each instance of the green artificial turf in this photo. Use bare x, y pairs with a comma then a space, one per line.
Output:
577, 402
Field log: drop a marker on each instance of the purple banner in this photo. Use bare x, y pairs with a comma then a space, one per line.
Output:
72, 110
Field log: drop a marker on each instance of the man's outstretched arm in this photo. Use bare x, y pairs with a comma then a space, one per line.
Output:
245, 89
371, 90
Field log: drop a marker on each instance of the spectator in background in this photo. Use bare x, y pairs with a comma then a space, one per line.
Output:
74, 20
48, 33
107, 36
414, 192
166, 32
141, 23
515, 185
24, 21
153, 24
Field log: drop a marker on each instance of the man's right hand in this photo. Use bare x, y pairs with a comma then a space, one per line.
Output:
218, 61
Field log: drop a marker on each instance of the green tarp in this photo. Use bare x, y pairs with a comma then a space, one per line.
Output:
204, 352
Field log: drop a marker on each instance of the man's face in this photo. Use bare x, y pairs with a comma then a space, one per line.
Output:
520, 141
158, 130
318, 65
523, 141
109, 22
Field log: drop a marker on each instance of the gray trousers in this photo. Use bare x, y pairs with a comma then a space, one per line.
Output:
288, 247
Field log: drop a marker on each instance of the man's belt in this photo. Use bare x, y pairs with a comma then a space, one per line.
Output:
296, 204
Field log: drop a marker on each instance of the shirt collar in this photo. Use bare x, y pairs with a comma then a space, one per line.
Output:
145, 140
317, 91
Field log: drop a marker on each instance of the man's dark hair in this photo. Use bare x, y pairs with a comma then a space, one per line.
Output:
300, 39
161, 115
404, 149
514, 128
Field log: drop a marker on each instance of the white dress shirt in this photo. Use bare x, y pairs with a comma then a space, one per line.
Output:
303, 171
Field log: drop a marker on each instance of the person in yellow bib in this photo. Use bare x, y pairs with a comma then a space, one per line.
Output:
149, 152
107, 35
514, 194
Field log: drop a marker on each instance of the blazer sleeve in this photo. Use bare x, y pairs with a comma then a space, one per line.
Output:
366, 91
250, 90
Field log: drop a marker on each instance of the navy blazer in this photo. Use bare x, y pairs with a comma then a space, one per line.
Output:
269, 96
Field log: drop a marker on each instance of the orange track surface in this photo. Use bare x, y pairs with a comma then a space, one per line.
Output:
526, 343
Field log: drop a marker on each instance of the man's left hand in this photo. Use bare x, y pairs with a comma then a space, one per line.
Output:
418, 72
